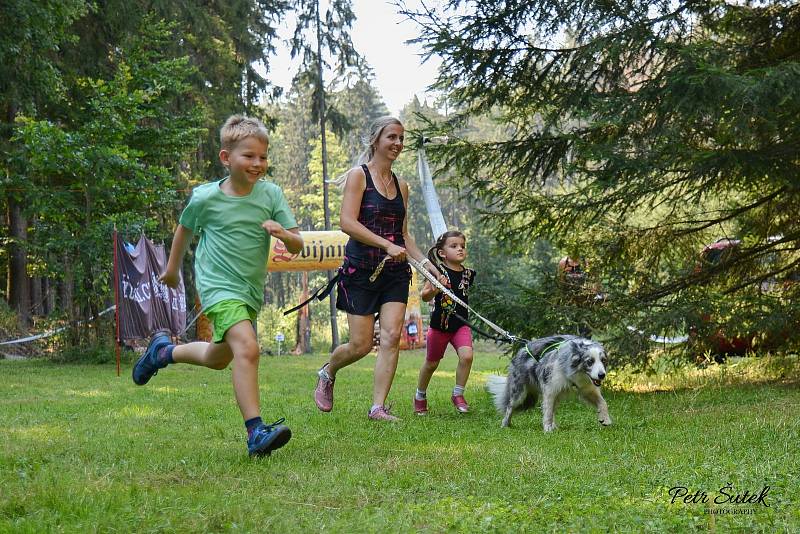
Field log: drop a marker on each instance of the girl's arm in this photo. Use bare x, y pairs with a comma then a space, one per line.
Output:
428, 292
354, 187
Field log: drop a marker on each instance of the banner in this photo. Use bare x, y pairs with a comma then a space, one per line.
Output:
145, 304
322, 251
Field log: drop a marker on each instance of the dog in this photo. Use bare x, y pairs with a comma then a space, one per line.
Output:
564, 361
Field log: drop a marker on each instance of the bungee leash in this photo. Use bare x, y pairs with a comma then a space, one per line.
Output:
504, 334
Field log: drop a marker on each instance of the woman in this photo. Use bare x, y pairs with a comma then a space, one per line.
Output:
375, 275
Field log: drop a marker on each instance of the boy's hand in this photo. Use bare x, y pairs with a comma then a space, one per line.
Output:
274, 228
171, 279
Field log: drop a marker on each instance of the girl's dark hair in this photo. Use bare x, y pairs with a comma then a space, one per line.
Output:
432, 255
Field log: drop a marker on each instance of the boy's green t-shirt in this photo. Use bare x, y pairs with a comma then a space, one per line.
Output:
231, 257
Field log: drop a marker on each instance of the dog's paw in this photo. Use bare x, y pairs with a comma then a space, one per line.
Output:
549, 427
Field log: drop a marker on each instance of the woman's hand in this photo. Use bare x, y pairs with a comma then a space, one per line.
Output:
397, 252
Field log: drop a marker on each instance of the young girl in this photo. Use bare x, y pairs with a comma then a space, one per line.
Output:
448, 254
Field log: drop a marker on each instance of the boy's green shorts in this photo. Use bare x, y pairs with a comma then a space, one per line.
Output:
225, 314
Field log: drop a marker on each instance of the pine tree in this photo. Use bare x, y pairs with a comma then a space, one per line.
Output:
330, 32
638, 133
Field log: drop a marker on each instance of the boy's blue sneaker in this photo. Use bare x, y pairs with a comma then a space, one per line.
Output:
148, 365
267, 438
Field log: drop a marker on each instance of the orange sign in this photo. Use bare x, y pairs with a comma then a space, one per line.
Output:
322, 251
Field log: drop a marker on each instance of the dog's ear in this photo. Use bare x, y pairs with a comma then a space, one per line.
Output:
577, 355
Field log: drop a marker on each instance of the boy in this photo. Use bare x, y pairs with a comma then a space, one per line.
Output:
235, 218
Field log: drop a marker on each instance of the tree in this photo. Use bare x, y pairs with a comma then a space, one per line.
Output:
62, 59
361, 105
637, 133
29, 79
331, 35
118, 164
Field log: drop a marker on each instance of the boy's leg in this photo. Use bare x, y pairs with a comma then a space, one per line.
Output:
242, 341
211, 355
261, 439
161, 352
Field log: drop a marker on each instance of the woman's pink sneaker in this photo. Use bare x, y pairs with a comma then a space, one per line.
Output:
323, 392
460, 404
420, 406
381, 413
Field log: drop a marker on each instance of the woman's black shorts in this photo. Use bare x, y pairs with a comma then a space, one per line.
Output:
356, 295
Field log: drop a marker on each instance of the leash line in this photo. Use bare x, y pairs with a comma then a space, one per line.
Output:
511, 338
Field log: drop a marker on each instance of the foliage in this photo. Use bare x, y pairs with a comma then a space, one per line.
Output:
360, 104
316, 36
635, 135
33, 32
171, 455
228, 44
116, 163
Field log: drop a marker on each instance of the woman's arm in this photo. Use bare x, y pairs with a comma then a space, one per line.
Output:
411, 245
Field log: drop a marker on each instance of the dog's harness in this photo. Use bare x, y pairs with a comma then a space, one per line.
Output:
552, 346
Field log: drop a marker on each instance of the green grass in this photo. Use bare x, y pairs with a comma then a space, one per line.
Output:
83, 450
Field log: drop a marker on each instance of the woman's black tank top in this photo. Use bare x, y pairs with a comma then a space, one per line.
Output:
383, 217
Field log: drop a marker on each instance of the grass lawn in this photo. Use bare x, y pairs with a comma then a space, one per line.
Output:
83, 450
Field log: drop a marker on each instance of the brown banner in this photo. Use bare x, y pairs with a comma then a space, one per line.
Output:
145, 304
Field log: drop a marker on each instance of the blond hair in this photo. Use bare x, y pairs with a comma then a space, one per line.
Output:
239, 127
375, 130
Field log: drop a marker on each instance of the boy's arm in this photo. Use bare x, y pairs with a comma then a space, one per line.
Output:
182, 238
291, 237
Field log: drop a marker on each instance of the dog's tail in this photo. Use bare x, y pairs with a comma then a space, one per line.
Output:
496, 385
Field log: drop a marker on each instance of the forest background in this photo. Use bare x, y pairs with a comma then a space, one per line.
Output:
629, 138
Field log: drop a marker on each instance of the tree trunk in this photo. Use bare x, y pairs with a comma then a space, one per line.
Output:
18, 283
49, 296
37, 302
68, 289
325, 207
303, 324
